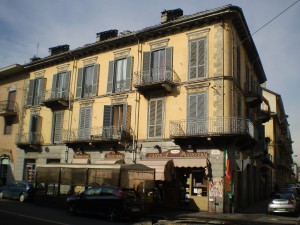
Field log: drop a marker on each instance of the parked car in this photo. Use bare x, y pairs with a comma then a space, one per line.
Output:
290, 191
17, 190
283, 203
113, 202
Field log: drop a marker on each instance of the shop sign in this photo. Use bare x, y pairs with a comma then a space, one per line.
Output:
114, 155
82, 155
177, 154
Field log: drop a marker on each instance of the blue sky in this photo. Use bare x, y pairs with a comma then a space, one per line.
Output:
48, 23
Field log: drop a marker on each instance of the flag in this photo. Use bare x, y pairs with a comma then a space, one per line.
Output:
227, 166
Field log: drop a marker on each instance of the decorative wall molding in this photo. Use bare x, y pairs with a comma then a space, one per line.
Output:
192, 88
197, 34
90, 61
122, 53
39, 73
62, 68
86, 103
159, 44
119, 98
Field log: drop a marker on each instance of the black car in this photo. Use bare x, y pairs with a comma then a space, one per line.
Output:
113, 202
20, 190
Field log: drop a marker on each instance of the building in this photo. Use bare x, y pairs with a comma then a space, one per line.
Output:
279, 140
183, 97
12, 79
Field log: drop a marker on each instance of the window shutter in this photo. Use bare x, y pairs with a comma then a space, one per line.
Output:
146, 65
57, 127
30, 93
84, 123
95, 80
110, 79
201, 106
201, 57
126, 116
79, 83
128, 73
42, 89
198, 59
155, 119
107, 121
192, 108
54, 87
238, 66
169, 63
67, 85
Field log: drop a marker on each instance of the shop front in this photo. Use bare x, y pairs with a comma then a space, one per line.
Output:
181, 179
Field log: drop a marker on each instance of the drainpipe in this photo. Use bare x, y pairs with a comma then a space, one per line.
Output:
136, 109
69, 107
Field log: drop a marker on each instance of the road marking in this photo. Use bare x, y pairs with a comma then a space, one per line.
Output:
31, 217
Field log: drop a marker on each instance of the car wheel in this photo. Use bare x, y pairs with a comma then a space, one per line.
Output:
22, 198
112, 214
71, 209
1, 194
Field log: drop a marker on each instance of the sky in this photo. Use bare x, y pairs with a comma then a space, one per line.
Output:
30, 27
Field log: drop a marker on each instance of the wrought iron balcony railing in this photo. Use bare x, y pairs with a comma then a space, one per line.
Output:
96, 134
156, 75
214, 126
32, 138
56, 94
8, 107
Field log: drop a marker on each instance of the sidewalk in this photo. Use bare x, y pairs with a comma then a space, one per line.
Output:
251, 212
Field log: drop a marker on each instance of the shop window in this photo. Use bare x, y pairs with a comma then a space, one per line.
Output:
199, 183
29, 170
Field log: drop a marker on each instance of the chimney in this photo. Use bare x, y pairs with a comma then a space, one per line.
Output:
58, 49
34, 59
105, 35
169, 15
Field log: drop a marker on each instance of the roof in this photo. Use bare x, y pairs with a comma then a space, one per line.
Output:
12, 69
216, 14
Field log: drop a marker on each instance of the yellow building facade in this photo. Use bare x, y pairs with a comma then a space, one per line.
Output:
175, 97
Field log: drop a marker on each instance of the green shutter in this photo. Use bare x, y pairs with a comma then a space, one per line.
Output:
155, 118
79, 83
54, 87
110, 78
169, 63
67, 85
107, 122
198, 59
30, 93
128, 73
95, 80
84, 123
146, 66
57, 127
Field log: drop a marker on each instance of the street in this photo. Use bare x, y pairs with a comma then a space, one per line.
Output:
13, 212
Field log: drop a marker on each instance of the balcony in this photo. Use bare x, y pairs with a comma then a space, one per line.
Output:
223, 130
8, 108
253, 94
55, 98
96, 136
158, 79
29, 140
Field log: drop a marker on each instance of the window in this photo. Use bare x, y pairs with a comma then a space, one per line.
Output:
8, 125
87, 81
11, 100
84, 130
157, 65
36, 90
57, 124
197, 113
60, 85
119, 75
35, 129
155, 118
29, 170
198, 59
116, 120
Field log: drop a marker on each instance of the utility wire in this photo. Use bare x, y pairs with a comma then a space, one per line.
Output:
276, 17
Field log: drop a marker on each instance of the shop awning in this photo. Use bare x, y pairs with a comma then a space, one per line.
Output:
163, 168
190, 162
81, 161
110, 161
